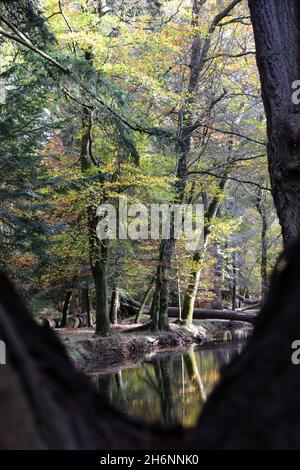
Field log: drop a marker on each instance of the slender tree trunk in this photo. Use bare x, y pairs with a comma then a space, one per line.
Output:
234, 283
98, 248
217, 302
66, 308
198, 257
99, 270
199, 52
114, 306
85, 304
179, 297
160, 304
145, 301
264, 244
264, 253
276, 26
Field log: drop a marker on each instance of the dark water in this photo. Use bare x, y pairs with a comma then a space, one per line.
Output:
170, 387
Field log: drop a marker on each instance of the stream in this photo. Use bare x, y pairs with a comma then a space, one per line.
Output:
167, 387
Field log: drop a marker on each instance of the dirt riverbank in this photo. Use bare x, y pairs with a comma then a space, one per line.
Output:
126, 346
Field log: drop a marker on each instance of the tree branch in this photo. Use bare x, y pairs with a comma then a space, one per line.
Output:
24, 41
231, 56
237, 134
220, 16
232, 178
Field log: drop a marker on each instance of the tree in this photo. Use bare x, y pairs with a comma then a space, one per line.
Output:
187, 124
276, 31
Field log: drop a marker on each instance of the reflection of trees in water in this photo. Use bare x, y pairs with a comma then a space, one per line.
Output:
193, 373
169, 387
163, 376
112, 386
121, 393
104, 385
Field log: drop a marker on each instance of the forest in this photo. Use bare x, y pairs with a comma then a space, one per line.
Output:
122, 337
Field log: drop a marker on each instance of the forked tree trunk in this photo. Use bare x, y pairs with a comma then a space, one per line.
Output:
276, 26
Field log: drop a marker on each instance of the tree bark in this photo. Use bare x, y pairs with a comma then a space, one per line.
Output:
199, 52
234, 283
85, 304
276, 26
144, 301
198, 257
114, 306
264, 244
98, 248
66, 308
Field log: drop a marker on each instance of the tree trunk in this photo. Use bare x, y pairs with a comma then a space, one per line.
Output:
85, 304
199, 52
192, 289
114, 306
217, 302
276, 26
99, 270
144, 301
264, 245
66, 307
234, 283
98, 248
248, 316
160, 320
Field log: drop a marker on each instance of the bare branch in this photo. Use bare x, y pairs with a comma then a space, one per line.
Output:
232, 178
231, 56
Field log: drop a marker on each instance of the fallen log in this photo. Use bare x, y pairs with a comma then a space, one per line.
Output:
243, 299
204, 314
247, 301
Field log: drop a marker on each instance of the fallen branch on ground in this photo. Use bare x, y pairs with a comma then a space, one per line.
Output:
201, 314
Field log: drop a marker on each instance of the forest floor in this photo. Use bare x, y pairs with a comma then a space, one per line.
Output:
126, 346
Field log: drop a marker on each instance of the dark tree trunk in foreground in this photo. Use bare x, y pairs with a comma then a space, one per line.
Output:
277, 35
256, 404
